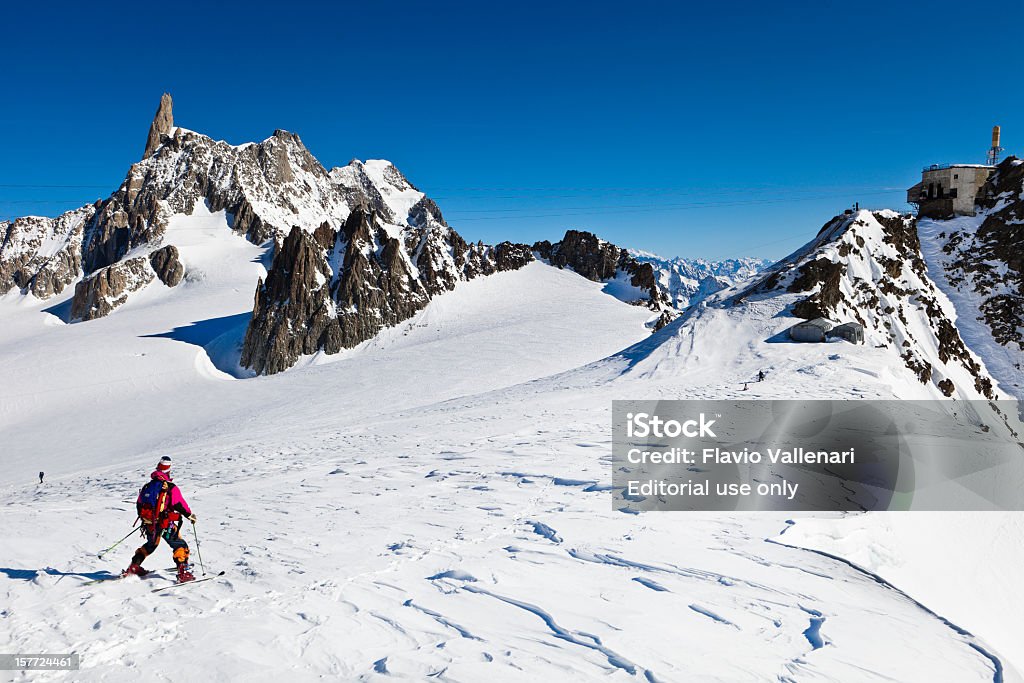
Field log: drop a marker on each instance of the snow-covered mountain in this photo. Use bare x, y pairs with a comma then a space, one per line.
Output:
349, 251
264, 189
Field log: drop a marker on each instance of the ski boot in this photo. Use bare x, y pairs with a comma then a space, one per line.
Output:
134, 569
184, 573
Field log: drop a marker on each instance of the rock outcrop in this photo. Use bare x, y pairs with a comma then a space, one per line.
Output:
109, 287
163, 121
585, 253
292, 312
166, 265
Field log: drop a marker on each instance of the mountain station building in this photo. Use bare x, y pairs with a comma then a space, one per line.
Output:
948, 190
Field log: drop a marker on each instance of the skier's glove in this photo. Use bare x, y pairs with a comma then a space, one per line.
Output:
192, 518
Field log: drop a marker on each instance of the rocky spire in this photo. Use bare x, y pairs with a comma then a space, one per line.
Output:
162, 124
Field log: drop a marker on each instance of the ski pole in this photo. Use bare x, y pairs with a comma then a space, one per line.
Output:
199, 551
104, 552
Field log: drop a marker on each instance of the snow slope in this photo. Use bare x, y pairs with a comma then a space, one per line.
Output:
432, 503
143, 379
923, 553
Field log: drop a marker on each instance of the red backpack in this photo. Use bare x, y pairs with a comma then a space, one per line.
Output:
154, 502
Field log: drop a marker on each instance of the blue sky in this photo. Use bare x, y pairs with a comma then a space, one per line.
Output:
711, 129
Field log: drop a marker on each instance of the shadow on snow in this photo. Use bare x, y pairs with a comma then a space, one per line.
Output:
221, 339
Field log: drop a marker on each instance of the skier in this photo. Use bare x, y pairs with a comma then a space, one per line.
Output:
161, 506
760, 375
41, 477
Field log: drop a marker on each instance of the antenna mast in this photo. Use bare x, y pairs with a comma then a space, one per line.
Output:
995, 150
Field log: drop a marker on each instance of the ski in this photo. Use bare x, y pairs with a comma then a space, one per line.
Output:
188, 583
152, 573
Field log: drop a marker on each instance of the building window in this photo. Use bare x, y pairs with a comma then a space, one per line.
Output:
956, 176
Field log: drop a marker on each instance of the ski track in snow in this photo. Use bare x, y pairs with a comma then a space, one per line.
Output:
313, 575
431, 504
349, 571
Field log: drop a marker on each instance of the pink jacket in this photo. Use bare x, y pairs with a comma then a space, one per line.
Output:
178, 505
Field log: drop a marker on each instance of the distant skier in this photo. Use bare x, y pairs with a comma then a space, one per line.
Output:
161, 506
41, 477
760, 375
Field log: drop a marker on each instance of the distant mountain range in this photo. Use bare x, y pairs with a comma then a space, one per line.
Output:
691, 280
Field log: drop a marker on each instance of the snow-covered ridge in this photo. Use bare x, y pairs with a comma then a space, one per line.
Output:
625, 277
868, 268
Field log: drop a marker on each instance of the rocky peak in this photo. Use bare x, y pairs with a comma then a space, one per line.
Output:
264, 188
162, 124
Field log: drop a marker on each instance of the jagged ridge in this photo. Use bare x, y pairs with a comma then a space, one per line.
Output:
334, 289
595, 259
265, 188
